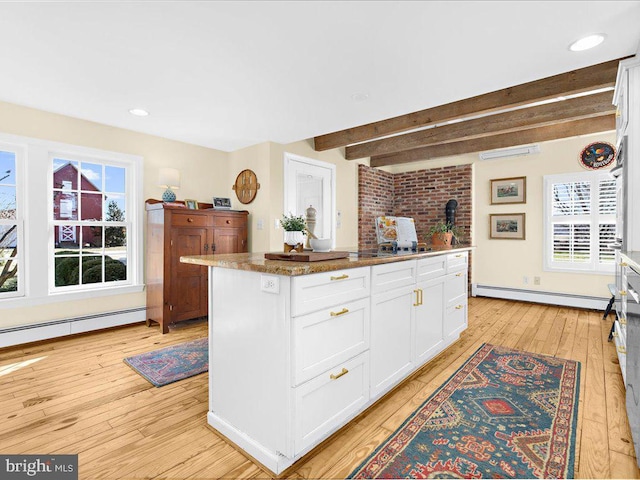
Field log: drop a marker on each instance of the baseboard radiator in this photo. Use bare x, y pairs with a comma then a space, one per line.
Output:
536, 296
20, 334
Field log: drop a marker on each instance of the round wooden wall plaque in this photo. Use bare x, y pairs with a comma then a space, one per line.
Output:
246, 186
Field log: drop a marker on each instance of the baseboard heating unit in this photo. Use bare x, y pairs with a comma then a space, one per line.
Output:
20, 334
536, 296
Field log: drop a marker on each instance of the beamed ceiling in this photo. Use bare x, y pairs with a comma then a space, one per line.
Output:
564, 105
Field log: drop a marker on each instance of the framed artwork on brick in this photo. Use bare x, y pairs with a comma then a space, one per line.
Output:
508, 190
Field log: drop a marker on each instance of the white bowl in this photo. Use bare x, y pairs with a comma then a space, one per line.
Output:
320, 244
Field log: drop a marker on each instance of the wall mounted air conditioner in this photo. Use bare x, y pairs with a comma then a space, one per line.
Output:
510, 152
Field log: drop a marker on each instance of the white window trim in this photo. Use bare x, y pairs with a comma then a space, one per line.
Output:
18, 151
36, 214
594, 267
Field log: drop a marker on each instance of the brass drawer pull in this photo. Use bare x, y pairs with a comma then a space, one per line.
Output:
417, 292
622, 349
336, 376
616, 334
341, 312
341, 277
623, 264
459, 255
189, 219
622, 320
623, 293
458, 307
459, 274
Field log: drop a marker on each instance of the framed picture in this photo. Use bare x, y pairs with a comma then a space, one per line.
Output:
191, 204
506, 225
508, 190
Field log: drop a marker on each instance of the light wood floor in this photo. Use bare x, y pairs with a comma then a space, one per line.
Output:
75, 395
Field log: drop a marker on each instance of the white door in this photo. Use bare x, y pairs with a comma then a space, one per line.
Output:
311, 183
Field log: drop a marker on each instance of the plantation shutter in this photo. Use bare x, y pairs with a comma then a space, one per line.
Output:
580, 218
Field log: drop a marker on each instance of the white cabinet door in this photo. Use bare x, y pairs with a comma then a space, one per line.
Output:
455, 289
391, 341
429, 318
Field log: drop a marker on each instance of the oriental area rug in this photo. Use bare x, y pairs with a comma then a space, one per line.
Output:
171, 364
503, 414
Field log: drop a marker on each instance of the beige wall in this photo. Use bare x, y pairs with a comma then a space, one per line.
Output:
521, 258
201, 179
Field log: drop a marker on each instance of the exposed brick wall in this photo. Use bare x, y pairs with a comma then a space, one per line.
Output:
422, 195
375, 198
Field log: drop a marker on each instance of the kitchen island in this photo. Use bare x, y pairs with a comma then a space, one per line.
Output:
298, 349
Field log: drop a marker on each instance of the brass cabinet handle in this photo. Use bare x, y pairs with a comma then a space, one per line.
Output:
421, 292
458, 307
615, 334
417, 292
622, 349
459, 255
459, 274
623, 264
341, 277
341, 312
622, 320
623, 293
338, 375
189, 219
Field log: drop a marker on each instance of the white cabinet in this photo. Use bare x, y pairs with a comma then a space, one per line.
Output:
428, 334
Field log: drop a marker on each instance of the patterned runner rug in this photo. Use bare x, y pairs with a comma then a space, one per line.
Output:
503, 414
171, 364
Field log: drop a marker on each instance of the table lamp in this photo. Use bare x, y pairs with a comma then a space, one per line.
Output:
169, 178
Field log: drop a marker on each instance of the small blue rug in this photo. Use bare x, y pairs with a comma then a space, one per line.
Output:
171, 364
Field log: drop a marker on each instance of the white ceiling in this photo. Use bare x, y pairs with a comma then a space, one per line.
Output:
231, 74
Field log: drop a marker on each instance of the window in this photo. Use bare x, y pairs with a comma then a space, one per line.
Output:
11, 245
90, 224
580, 214
70, 222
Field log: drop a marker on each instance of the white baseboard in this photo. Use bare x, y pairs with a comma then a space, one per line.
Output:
550, 298
43, 331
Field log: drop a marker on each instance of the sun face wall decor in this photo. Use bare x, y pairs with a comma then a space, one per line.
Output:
246, 186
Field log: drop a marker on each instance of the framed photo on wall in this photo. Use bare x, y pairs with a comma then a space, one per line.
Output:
509, 190
507, 226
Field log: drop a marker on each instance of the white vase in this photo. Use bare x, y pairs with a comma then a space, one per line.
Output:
293, 238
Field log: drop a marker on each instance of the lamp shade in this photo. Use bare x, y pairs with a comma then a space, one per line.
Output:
169, 178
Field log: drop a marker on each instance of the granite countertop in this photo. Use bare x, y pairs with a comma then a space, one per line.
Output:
633, 259
255, 262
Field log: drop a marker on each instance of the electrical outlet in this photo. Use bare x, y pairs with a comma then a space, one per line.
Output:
277, 224
525, 280
260, 224
338, 219
536, 280
269, 284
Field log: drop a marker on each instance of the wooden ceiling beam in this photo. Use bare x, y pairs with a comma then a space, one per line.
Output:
573, 109
569, 83
502, 140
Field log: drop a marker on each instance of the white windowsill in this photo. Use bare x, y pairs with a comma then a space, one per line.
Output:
32, 301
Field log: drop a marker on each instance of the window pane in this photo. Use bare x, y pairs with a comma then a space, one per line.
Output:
115, 269
92, 269
65, 205
116, 239
8, 275
607, 197
91, 177
65, 174
7, 168
572, 198
115, 208
67, 238
115, 179
116, 259
92, 239
67, 271
7, 202
607, 233
571, 243
91, 206
8, 238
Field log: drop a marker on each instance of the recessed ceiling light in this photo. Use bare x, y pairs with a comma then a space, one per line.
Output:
586, 43
138, 112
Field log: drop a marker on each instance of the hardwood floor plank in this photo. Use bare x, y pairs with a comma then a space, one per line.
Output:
75, 395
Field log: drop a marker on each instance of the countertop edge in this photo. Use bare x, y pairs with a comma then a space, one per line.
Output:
255, 262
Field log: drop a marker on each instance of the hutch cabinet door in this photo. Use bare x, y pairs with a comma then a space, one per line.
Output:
189, 282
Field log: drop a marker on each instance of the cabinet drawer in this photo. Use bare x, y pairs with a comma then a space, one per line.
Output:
330, 400
455, 289
393, 275
321, 290
455, 320
432, 267
323, 339
229, 221
188, 220
457, 261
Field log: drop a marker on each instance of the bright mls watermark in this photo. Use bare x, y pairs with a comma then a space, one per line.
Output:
52, 467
